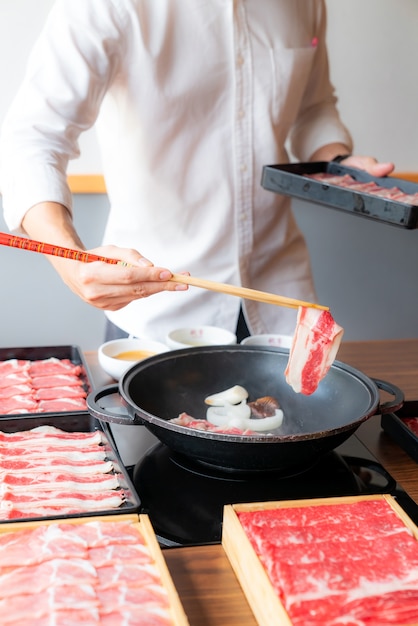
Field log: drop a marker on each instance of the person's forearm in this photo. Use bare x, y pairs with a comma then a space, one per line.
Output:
329, 152
51, 223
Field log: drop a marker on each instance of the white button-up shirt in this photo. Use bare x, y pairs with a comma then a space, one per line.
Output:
190, 99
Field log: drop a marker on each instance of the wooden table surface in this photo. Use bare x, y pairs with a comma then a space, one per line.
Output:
203, 577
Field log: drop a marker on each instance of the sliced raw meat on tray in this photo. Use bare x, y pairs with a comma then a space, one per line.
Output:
51, 435
34, 546
129, 574
52, 600
53, 480
21, 389
39, 577
16, 403
37, 512
73, 453
61, 404
56, 380
70, 617
11, 366
336, 563
58, 393
14, 378
137, 597
372, 187
48, 577
46, 471
387, 200
149, 616
411, 423
56, 465
42, 386
97, 535
53, 366
80, 501
119, 553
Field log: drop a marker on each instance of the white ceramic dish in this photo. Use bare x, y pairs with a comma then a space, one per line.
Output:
114, 355
275, 341
194, 336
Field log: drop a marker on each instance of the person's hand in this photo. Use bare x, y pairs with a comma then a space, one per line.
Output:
111, 287
103, 285
369, 164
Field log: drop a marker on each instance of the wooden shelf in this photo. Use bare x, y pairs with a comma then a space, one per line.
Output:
94, 183
87, 183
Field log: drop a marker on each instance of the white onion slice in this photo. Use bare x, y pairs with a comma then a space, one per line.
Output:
237, 416
221, 415
233, 395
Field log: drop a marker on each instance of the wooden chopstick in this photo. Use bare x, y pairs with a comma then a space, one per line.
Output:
31, 245
245, 292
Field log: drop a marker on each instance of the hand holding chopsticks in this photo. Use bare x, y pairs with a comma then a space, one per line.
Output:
85, 257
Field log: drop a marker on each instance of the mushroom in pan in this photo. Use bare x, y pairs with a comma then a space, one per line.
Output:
264, 407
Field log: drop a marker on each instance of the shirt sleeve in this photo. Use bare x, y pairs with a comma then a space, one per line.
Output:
318, 122
70, 67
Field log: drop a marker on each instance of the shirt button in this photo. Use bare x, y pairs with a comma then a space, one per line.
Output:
240, 114
240, 59
243, 167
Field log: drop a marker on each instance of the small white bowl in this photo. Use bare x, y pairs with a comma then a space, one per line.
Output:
117, 356
275, 341
199, 336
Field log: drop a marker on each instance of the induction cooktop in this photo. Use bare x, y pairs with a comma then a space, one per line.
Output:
184, 498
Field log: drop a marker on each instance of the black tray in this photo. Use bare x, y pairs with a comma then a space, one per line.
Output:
291, 180
395, 426
71, 352
77, 422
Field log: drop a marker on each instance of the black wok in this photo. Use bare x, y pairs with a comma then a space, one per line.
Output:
160, 388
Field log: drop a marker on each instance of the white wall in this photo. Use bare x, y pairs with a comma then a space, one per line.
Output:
365, 271
373, 56
20, 23
373, 48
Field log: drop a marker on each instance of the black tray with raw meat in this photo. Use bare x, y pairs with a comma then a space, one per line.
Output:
25, 475
402, 427
388, 200
19, 395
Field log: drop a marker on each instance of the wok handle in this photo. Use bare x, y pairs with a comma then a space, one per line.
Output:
398, 397
107, 404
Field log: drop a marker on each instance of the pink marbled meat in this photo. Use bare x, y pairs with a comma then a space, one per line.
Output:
32, 482
353, 563
314, 348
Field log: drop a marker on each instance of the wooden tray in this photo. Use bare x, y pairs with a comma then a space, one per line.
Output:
144, 527
252, 576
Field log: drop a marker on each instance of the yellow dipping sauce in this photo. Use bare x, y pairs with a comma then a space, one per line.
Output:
133, 355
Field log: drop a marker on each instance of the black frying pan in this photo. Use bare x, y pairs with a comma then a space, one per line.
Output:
160, 388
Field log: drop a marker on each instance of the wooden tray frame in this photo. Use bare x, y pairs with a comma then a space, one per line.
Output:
251, 574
